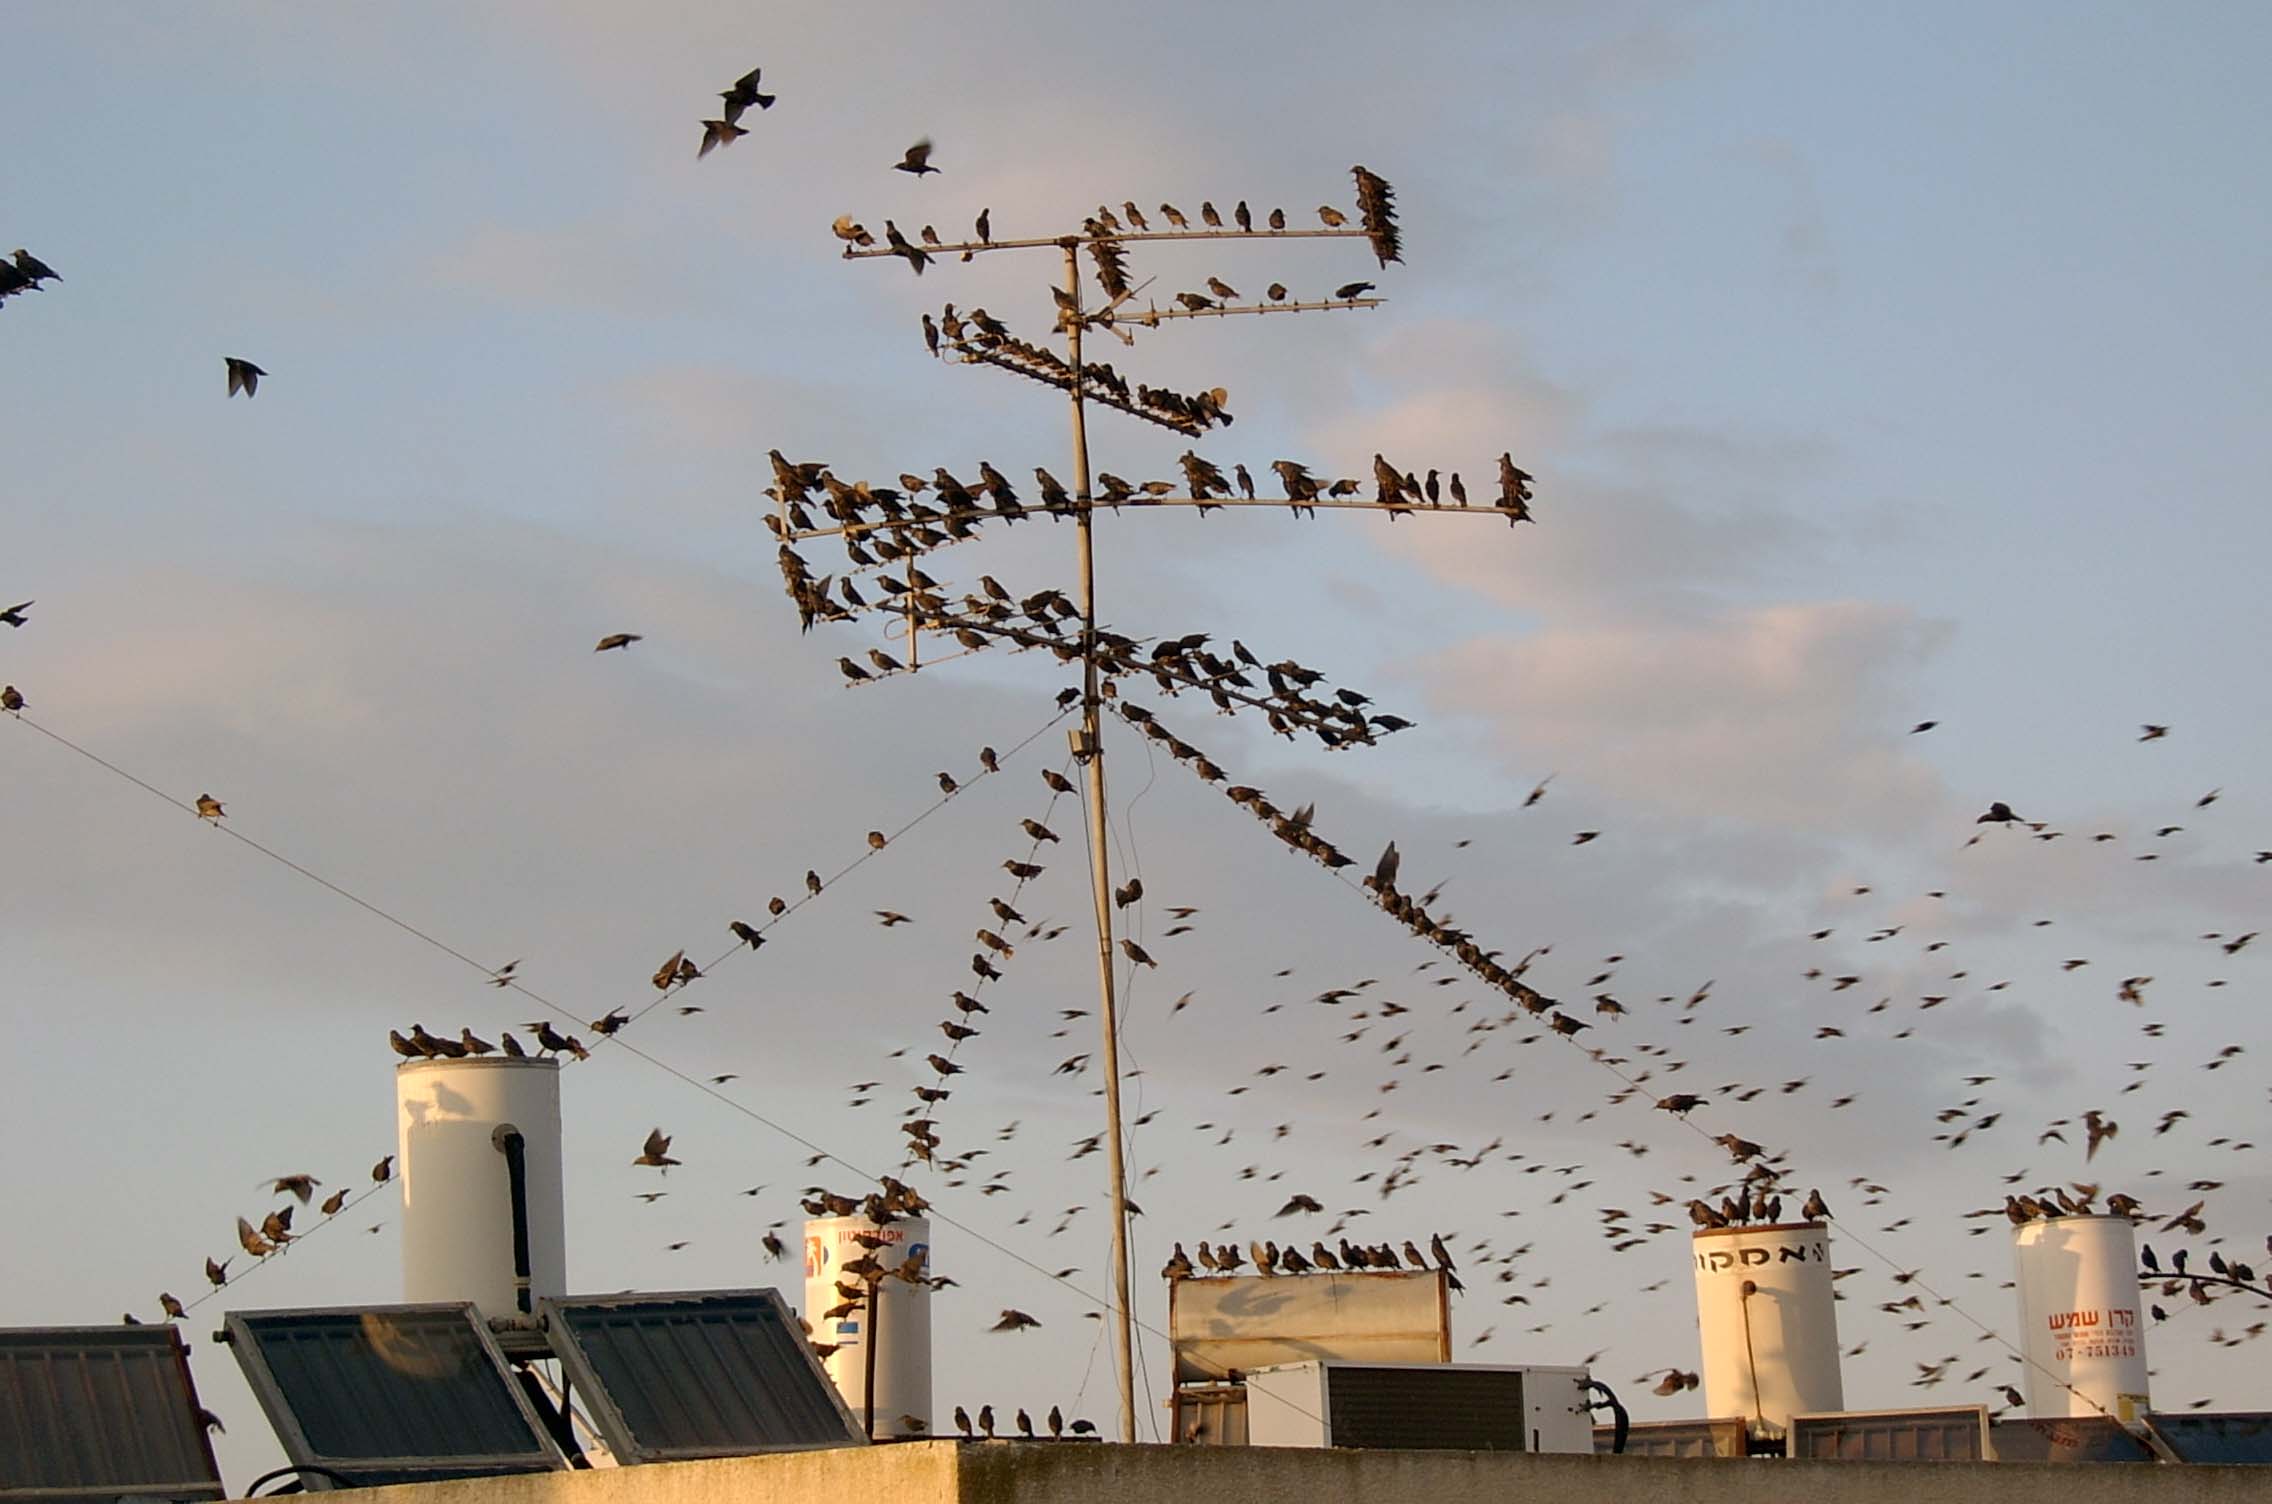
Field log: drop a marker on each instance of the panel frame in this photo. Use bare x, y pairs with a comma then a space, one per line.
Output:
284, 1420
555, 1315
1975, 1415
209, 1488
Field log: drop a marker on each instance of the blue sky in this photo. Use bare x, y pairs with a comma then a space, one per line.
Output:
1878, 365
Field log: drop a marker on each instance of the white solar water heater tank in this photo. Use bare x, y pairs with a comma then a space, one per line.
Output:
902, 1331
1454, 1406
457, 1125
1769, 1320
2080, 1309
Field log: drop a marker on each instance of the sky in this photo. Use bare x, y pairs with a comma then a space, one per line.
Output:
1876, 366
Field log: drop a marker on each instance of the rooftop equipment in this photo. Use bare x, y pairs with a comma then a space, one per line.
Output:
1770, 1323
1951, 1433
479, 1150
94, 1414
708, 1373
888, 1346
2080, 1316
1456, 1406
390, 1394
1222, 1327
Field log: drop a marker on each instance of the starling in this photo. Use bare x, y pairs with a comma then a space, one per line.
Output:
209, 808
657, 1151
717, 133
618, 640
917, 161
244, 376
14, 615
744, 94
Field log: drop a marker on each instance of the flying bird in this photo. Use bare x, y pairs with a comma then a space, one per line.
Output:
717, 133
657, 1151
14, 615
1013, 1321
244, 376
618, 640
744, 94
917, 160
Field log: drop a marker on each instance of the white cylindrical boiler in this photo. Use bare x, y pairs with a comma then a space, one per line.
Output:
1769, 1321
900, 1337
479, 1155
2079, 1306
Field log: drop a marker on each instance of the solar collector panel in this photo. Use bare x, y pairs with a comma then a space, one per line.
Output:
390, 1393
697, 1374
100, 1413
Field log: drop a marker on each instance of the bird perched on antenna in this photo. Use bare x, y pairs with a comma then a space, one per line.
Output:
1376, 203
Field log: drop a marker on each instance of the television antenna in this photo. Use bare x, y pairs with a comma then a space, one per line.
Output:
882, 528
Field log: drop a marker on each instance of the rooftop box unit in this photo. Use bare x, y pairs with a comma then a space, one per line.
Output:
1451, 1406
1949, 1433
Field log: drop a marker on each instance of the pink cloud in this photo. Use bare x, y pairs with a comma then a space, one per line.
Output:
1772, 713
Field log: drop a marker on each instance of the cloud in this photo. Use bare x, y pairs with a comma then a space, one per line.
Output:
1776, 714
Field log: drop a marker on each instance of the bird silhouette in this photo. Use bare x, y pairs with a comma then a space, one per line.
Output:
244, 376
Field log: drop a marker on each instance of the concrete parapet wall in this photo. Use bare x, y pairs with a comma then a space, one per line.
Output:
945, 1472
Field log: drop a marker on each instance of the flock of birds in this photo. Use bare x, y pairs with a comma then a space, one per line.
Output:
884, 530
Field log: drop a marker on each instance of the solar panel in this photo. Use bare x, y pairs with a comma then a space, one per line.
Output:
390, 1394
704, 1373
1955, 1433
2236, 1437
101, 1413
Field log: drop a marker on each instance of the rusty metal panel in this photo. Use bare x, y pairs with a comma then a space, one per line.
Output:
1953, 1433
1224, 1326
1676, 1438
101, 1413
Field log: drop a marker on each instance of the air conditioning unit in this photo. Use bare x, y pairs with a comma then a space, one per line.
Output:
1444, 1406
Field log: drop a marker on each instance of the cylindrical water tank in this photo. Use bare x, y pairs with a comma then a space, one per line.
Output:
901, 1333
479, 1156
1769, 1322
2079, 1306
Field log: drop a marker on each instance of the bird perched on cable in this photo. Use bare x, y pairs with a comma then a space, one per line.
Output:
244, 376
657, 1151
209, 808
11, 698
